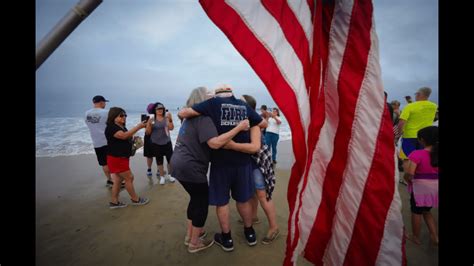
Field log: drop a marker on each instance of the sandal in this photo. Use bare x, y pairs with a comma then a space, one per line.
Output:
268, 240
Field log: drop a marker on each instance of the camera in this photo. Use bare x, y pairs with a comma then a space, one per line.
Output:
144, 118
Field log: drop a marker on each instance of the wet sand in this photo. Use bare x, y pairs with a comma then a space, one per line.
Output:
74, 225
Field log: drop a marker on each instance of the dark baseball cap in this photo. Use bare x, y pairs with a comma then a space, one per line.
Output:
159, 106
98, 99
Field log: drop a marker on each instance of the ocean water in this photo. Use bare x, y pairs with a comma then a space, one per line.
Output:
69, 135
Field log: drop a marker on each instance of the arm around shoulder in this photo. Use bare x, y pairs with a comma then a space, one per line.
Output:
221, 140
187, 112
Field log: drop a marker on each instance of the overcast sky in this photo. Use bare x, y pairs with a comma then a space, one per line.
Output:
136, 52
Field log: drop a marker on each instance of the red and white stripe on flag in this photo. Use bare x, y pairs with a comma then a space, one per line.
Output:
320, 62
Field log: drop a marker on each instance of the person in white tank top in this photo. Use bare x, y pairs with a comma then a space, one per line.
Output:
273, 132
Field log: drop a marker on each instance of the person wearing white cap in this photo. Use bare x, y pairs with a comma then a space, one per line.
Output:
96, 119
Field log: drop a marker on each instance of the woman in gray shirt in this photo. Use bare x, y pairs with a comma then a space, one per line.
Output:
159, 131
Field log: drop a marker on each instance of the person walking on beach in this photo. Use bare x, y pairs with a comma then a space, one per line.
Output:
190, 164
414, 117
264, 178
231, 171
159, 131
96, 121
119, 141
273, 132
421, 173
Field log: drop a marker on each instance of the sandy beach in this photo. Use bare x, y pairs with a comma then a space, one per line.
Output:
74, 225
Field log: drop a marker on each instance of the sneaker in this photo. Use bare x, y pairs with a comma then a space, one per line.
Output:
250, 236
140, 201
269, 239
226, 245
162, 180
254, 221
201, 246
201, 236
117, 205
171, 179
148, 173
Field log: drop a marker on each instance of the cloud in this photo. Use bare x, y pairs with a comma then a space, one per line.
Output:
161, 22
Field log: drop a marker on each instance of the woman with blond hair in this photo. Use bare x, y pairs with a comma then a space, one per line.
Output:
119, 141
190, 165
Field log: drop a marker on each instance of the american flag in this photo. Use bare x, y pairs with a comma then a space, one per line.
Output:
320, 62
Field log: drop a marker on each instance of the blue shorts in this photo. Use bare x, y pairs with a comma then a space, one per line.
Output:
408, 146
258, 179
235, 179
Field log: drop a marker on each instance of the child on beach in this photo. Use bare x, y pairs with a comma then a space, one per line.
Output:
422, 177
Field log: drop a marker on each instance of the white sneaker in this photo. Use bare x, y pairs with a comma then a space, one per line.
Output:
162, 180
171, 179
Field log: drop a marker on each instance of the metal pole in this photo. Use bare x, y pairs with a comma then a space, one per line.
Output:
63, 28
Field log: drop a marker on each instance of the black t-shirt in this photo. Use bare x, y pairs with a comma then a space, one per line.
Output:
191, 153
226, 113
117, 147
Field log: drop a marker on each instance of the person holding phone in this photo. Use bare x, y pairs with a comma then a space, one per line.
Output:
158, 129
119, 141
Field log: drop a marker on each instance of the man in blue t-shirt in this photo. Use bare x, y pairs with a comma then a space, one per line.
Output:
231, 171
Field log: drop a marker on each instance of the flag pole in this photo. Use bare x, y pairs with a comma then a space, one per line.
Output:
63, 28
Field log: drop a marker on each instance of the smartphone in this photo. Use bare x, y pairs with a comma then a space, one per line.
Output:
144, 117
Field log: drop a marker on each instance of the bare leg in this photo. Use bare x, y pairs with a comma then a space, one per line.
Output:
254, 202
189, 228
245, 211
416, 227
128, 177
195, 232
149, 162
269, 208
430, 222
161, 169
223, 217
106, 170
115, 187
169, 168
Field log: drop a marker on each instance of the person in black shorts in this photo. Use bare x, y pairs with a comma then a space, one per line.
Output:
158, 129
96, 119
